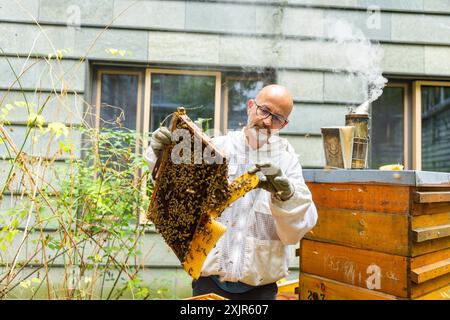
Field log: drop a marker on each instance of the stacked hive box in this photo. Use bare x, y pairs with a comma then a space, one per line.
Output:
379, 235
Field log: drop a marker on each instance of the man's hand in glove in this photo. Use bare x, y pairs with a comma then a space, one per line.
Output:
160, 137
276, 181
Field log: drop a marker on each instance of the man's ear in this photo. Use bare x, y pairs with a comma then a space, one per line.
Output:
249, 104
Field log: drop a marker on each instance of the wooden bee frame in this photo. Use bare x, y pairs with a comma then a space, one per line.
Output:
179, 205
187, 197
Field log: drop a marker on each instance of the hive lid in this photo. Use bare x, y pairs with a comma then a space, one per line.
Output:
406, 177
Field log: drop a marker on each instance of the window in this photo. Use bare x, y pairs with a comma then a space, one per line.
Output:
118, 98
410, 124
238, 90
141, 98
199, 92
388, 125
432, 121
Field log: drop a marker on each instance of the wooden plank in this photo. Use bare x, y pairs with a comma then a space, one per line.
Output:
361, 268
381, 232
430, 208
429, 220
375, 198
429, 233
208, 296
419, 248
439, 294
430, 271
318, 288
430, 197
430, 258
418, 290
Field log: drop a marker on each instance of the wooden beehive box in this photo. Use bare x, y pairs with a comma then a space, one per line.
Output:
287, 289
379, 235
208, 296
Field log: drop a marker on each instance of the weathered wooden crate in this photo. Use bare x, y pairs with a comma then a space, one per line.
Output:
380, 234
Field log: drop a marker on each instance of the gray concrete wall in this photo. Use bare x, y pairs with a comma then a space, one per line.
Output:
288, 36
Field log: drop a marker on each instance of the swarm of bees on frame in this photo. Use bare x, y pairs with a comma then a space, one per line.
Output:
185, 193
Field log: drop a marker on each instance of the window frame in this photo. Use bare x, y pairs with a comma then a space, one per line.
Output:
406, 116
147, 95
99, 73
417, 118
147, 109
406, 138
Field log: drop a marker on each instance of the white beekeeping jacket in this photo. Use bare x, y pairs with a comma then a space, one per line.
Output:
254, 250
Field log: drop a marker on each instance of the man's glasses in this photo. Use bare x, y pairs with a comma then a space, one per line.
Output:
278, 121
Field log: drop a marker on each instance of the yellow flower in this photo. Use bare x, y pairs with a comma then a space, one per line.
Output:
115, 52
59, 54
112, 51
35, 120
36, 280
58, 129
6, 109
24, 104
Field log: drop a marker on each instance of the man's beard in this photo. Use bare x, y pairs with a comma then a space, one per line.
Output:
259, 134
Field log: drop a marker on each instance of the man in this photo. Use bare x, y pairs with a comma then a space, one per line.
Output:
253, 254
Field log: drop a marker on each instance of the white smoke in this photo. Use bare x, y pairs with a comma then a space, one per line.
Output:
363, 57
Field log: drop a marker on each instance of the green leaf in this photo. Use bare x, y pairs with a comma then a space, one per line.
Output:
10, 235
142, 293
14, 223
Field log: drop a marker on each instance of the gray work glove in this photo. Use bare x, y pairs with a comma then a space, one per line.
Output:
160, 137
275, 181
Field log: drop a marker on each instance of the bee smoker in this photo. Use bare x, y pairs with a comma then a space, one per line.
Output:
360, 139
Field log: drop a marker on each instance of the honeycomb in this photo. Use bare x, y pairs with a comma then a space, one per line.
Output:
184, 194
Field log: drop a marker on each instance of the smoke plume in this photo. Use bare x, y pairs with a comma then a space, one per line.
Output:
363, 57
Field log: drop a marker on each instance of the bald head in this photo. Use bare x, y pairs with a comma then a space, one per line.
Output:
277, 97
267, 113
273, 98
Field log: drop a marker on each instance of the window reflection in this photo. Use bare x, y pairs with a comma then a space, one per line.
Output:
387, 124
435, 128
118, 113
119, 93
239, 92
194, 92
